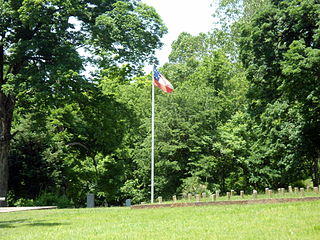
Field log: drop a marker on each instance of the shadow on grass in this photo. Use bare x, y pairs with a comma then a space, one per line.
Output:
29, 223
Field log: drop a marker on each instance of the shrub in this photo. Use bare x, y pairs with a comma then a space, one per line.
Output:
51, 199
23, 202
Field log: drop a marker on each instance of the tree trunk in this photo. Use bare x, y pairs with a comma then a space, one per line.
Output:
316, 179
6, 114
4, 170
7, 104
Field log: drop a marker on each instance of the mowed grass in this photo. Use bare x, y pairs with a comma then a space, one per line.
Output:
299, 220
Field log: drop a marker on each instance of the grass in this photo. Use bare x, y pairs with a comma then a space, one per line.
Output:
299, 220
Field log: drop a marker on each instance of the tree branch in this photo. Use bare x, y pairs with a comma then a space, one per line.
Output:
78, 143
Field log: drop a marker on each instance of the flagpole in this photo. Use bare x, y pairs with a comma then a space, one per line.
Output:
152, 143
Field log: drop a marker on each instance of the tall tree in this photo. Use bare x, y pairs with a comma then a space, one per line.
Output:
38, 51
280, 50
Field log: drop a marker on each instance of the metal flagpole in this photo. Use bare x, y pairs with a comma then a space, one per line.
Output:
152, 143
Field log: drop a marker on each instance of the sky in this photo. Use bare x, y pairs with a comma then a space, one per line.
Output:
192, 16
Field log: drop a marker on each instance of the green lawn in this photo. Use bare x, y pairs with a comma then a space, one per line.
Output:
300, 220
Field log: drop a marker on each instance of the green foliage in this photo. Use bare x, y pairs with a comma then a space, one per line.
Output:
45, 199
194, 186
244, 113
51, 199
23, 202
279, 49
131, 31
131, 189
41, 73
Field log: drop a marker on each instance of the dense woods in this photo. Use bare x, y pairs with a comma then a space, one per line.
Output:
245, 112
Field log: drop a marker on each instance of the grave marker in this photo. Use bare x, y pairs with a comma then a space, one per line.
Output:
128, 203
174, 198
255, 193
90, 200
270, 193
213, 197
217, 193
189, 196
204, 195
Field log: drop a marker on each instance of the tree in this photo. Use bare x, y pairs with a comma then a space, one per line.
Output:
208, 90
39, 58
279, 47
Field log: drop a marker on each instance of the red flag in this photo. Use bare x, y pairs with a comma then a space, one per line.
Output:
161, 82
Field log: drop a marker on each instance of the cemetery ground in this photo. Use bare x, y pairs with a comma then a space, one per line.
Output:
292, 220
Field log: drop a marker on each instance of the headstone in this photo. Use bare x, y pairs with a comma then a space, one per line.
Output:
197, 198
232, 193
290, 189
217, 193
270, 193
282, 191
242, 194
228, 195
302, 192
296, 190
174, 198
255, 193
160, 199
90, 200
204, 195
189, 196
213, 197
266, 190
316, 189
128, 202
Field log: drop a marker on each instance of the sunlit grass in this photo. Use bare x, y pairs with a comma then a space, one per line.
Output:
298, 220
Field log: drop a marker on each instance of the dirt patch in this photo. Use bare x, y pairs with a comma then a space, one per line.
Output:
234, 202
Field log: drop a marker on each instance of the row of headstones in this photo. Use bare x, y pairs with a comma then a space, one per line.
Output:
268, 191
296, 190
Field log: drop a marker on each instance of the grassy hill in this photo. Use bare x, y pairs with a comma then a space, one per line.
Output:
298, 220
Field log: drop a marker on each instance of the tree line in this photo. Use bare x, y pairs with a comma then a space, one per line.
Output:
244, 113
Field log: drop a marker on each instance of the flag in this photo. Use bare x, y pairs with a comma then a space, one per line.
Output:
161, 82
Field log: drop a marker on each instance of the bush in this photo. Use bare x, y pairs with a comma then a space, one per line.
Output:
194, 185
23, 202
51, 199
